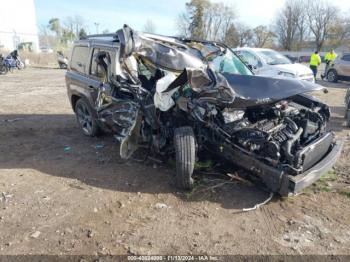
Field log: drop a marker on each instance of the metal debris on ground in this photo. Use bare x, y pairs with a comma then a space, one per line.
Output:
5, 197
259, 205
99, 146
161, 205
36, 234
11, 120
67, 148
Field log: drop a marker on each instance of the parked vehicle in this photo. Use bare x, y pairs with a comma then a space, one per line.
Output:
46, 50
181, 96
13, 61
62, 60
293, 59
347, 106
3, 67
267, 62
339, 69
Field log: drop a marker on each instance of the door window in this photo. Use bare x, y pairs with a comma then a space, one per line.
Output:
346, 57
96, 70
80, 59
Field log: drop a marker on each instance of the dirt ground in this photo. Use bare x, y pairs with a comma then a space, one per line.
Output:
64, 193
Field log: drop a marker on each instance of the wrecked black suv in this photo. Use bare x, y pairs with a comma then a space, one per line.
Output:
181, 96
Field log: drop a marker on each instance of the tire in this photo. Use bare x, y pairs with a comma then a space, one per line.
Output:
85, 118
62, 66
20, 65
347, 116
332, 76
185, 150
3, 69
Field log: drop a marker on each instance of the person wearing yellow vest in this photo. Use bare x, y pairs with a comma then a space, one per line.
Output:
315, 61
329, 58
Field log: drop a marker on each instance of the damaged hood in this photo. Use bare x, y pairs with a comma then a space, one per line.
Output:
254, 90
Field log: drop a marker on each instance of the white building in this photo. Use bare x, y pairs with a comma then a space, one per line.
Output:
18, 25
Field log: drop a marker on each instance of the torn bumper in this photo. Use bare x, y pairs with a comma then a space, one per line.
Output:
278, 181
297, 183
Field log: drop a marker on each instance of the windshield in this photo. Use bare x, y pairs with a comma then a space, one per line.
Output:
228, 62
273, 57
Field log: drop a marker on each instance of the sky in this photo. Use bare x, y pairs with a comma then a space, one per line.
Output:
112, 14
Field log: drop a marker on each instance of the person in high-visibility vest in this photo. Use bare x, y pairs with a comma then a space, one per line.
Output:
315, 61
329, 58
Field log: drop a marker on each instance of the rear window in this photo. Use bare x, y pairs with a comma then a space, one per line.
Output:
80, 58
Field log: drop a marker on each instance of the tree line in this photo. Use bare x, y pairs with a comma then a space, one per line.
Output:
297, 24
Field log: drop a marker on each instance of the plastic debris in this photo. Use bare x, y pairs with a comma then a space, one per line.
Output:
99, 146
36, 234
161, 205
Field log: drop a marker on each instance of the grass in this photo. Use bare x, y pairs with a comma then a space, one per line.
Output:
322, 185
203, 165
344, 193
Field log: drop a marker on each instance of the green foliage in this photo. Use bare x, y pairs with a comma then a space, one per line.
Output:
196, 10
82, 33
203, 165
345, 193
323, 184
55, 26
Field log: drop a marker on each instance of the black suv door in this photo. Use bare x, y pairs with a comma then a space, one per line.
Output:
77, 78
95, 73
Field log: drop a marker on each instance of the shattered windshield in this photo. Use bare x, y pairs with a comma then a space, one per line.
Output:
228, 62
273, 58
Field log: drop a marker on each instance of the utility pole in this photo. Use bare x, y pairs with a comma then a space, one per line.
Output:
97, 25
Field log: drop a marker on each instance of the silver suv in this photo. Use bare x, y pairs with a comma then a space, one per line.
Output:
339, 69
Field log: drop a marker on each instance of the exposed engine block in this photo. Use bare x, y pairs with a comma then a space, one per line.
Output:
276, 134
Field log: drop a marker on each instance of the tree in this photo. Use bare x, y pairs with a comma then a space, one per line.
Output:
339, 31
73, 26
67, 36
82, 33
206, 20
55, 26
244, 34
182, 25
287, 23
321, 16
149, 27
196, 10
262, 36
231, 36
303, 31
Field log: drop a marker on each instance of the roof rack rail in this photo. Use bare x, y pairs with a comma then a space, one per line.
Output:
114, 36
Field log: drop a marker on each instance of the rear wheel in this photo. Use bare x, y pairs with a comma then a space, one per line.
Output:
85, 118
332, 76
3, 69
185, 149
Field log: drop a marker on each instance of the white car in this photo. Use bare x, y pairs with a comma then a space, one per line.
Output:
267, 62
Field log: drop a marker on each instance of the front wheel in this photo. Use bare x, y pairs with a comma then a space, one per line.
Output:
332, 76
62, 66
185, 150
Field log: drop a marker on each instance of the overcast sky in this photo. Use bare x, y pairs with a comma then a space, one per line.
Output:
112, 14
